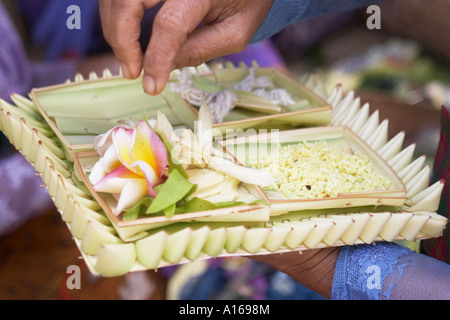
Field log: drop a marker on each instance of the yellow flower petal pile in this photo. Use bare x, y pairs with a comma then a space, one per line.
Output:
319, 170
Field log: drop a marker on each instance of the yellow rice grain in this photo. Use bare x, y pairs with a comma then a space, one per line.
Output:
319, 170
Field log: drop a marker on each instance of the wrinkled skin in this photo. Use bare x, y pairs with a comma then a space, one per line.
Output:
185, 33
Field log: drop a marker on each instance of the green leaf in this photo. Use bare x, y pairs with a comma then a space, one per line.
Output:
251, 98
170, 210
179, 207
206, 85
173, 190
197, 204
139, 209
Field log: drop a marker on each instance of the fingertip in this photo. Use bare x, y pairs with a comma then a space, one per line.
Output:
124, 70
130, 70
149, 85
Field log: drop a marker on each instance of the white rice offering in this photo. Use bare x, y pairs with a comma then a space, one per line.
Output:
318, 170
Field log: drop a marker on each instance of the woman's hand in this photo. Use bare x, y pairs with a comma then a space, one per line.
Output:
185, 33
312, 268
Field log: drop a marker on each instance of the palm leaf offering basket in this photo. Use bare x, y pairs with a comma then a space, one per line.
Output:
55, 127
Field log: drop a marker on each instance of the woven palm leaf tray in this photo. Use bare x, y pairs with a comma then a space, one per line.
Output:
54, 129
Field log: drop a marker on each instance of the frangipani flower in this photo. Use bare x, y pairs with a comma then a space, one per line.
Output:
196, 150
132, 163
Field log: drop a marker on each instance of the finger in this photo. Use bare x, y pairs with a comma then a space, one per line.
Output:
225, 35
124, 32
173, 23
210, 42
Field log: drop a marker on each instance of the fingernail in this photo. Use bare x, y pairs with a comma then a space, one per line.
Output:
124, 69
149, 84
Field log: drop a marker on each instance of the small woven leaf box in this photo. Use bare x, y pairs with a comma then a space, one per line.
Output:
79, 111
133, 229
260, 146
309, 109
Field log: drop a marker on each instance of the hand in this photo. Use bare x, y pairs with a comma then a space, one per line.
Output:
185, 33
312, 268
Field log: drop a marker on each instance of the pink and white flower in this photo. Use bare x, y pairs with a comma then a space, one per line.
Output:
133, 161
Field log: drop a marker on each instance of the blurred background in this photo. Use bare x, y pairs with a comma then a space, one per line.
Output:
402, 70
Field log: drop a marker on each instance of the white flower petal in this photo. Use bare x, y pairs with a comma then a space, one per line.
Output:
98, 172
103, 141
205, 127
151, 178
111, 159
244, 174
112, 185
164, 126
132, 192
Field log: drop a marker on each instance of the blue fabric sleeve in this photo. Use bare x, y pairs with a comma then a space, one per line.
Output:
388, 271
286, 12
